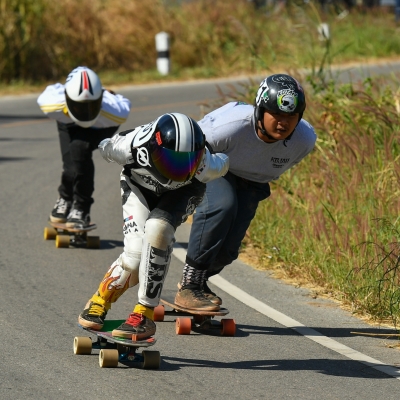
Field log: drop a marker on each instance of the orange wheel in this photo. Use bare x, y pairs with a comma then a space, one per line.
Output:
183, 326
159, 313
228, 327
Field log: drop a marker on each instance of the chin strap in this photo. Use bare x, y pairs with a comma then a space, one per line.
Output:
265, 133
262, 129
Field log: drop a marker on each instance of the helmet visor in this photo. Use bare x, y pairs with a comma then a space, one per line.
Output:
176, 166
86, 110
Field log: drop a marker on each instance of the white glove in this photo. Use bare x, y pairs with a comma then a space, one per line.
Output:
117, 149
102, 148
212, 166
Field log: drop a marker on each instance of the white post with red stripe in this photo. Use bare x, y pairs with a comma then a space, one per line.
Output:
162, 47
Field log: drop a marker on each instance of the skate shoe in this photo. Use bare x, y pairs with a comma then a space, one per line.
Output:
136, 327
192, 297
78, 219
93, 316
210, 295
60, 210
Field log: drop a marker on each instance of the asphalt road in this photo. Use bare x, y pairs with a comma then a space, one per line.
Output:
288, 344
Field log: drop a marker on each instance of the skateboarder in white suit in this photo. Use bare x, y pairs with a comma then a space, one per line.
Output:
165, 167
86, 114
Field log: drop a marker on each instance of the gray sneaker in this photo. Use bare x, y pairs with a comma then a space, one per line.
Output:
193, 297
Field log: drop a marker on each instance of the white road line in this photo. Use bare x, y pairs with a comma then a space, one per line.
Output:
284, 320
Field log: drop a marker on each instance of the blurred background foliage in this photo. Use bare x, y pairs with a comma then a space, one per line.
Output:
42, 40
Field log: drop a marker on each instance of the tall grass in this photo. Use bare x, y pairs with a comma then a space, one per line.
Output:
44, 39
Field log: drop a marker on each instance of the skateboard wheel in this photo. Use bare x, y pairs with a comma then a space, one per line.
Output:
159, 313
151, 359
108, 358
228, 327
49, 233
183, 326
93, 242
62, 241
82, 345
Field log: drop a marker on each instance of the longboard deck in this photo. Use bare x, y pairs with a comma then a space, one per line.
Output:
106, 333
168, 299
114, 350
200, 321
64, 227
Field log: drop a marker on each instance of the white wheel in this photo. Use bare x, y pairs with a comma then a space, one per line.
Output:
82, 345
108, 358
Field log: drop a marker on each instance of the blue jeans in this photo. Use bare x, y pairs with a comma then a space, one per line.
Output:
221, 220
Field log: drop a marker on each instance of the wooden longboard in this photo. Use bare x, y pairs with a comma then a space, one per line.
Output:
65, 236
201, 320
64, 227
115, 349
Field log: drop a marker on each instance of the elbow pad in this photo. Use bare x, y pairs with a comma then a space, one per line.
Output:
117, 149
212, 166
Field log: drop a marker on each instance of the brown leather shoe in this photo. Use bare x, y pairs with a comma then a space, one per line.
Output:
194, 299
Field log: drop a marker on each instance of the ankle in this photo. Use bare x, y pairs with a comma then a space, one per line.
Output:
99, 300
148, 312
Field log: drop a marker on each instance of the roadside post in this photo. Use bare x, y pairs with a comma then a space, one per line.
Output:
162, 47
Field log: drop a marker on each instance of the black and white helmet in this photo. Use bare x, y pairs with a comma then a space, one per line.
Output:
84, 95
176, 148
279, 93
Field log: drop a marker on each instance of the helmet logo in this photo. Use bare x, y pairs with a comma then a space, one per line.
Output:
142, 157
143, 133
287, 100
85, 83
262, 93
158, 138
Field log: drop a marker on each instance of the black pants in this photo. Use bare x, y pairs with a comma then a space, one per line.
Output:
77, 145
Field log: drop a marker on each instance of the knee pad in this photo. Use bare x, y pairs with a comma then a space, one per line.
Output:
129, 263
159, 233
125, 269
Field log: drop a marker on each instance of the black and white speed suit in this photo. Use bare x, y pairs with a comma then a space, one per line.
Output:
153, 207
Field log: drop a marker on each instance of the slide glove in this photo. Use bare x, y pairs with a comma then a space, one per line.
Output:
212, 166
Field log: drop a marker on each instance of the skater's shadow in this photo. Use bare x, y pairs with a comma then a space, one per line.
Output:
110, 244
345, 368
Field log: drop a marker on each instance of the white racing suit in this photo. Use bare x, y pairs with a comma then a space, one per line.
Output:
151, 211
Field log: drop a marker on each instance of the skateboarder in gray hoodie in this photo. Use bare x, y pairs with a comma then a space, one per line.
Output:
262, 142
